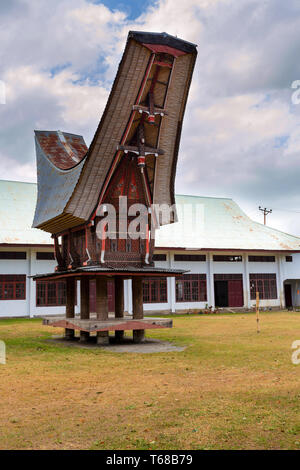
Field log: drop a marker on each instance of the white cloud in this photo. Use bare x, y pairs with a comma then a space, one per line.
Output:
241, 132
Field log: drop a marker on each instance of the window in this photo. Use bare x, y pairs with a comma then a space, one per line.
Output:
50, 293
113, 245
191, 288
265, 284
13, 287
12, 254
45, 255
264, 259
228, 277
289, 259
155, 290
189, 258
159, 257
227, 258
142, 245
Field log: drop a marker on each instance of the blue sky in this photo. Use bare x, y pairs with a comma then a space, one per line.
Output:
241, 133
133, 8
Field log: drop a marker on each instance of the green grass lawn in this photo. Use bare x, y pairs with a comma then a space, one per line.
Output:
231, 388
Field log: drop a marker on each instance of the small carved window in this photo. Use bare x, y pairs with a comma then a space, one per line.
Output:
113, 245
142, 245
128, 245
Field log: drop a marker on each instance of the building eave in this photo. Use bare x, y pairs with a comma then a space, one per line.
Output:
234, 250
29, 245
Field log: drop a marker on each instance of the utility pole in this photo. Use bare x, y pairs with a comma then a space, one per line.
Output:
266, 212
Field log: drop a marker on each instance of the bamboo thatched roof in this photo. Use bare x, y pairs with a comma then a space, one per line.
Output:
153, 64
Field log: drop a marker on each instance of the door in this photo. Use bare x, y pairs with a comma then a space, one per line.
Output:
288, 295
235, 293
221, 293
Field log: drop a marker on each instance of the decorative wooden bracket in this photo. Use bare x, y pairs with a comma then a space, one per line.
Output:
60, 261
73, 255
88, 244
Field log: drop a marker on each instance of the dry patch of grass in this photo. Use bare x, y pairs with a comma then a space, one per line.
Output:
231, 388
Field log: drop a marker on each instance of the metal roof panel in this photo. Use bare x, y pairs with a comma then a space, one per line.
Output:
219, 223
55, 186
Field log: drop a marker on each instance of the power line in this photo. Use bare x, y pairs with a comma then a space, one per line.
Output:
286, 210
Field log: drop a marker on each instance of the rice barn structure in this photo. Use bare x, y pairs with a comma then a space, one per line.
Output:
132, 159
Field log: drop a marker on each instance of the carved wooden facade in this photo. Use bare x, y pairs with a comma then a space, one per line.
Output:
133, 155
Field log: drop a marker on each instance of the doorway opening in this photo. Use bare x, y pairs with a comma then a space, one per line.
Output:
228, 290
288, 295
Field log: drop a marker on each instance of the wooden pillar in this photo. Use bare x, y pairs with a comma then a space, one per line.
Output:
102, 307
137, 306
84, 304
70, 305
119, 304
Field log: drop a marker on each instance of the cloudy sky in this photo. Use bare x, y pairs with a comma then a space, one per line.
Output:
241, 135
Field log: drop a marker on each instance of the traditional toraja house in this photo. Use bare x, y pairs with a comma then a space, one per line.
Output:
133, 155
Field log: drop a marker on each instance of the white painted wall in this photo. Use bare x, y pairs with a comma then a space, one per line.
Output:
210, 267
291, 270
18, 308
31, 266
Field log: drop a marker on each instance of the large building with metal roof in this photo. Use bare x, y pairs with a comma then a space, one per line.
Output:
227, 256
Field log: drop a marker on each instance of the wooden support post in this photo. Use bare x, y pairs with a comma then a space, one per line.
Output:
137, 307
102, 307
84, 304
119, 304
70, 305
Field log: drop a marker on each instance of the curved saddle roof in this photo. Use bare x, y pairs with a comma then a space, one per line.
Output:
60, 159
64, 150
153, 77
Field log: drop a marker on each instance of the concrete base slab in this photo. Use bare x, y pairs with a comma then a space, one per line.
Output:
148, 346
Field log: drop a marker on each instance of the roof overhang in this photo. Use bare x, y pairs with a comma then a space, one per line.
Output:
233, 250
24, 245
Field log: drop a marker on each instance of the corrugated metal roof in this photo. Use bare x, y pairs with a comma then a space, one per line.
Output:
64, 150
209, 223
17, 204
163, 39
219, 223
99, 269
55, 185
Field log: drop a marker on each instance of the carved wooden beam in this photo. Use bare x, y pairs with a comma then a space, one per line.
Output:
145, 109
134, 149
163, 64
